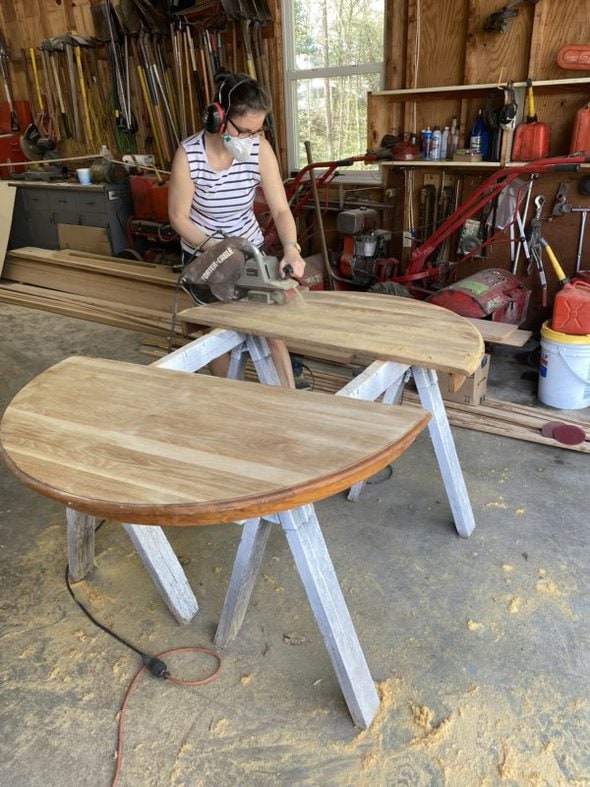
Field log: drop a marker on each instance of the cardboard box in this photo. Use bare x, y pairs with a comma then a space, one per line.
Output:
91, 239
473, 390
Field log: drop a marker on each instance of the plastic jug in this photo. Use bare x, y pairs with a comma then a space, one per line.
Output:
581, 131
571, 309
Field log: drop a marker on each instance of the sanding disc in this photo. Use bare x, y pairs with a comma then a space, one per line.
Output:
547, 429
569, 434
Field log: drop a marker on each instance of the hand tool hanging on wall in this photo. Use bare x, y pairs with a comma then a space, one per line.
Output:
261, 58
62, 47
179, 59
192, 123
498, 21
536, 247
50, 97
521, 222
196, 79
4, 58
76, 43
128, 26
54, 82
445, 208
122, 111
427, 205
42, 118
159, 104
419, 268
155, 101
149, 105
163, 77
562, 207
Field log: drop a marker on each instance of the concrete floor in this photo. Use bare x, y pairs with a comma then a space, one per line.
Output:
480, 647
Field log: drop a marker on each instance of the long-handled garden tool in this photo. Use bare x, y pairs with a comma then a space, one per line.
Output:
54, 83
4, 58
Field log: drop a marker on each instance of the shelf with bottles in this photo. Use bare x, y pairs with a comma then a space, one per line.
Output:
408, 111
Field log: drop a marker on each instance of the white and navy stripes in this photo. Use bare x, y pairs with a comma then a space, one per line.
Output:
223, 201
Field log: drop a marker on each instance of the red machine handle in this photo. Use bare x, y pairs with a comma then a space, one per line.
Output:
486, 192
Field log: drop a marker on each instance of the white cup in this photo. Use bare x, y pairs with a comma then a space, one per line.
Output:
84, 175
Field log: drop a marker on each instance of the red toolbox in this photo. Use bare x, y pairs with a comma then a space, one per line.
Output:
571, 309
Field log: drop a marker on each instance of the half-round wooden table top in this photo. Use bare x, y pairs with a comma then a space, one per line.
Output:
380, 327
145, 445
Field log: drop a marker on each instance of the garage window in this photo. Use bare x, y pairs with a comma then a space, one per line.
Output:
333, 57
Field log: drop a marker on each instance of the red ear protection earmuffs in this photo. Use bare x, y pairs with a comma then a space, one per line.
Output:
215, 116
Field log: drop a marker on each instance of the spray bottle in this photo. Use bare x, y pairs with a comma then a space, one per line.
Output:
435, 143
444, 142
453, 137
426, 139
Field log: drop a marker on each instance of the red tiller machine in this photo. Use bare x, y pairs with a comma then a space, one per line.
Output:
299, 191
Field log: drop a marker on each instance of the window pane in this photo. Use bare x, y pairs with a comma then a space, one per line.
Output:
332, 115
331, 33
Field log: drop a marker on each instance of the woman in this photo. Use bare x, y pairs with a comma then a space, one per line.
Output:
215, 174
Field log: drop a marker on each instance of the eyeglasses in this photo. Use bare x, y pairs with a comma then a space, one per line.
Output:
244, 133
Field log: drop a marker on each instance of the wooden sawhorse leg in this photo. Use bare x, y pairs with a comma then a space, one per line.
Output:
314, 564
153, 548
387, 379
444, 447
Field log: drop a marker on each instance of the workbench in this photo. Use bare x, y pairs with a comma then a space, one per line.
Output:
40, 210
102, 437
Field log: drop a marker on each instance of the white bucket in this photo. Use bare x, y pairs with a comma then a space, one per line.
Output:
564, 370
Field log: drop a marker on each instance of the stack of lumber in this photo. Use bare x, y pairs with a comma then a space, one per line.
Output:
493, 416
508, 419
129, 294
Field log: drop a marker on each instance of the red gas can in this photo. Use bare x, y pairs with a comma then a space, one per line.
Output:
581, 131
150, 198
571, 309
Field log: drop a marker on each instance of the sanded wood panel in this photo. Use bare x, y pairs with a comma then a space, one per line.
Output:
377, 326
155, 446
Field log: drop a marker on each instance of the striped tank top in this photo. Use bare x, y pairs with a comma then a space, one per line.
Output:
223, 201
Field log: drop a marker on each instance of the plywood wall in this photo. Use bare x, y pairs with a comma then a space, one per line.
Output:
443, 42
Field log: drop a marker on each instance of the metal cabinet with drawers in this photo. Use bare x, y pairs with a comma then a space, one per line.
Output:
40, 207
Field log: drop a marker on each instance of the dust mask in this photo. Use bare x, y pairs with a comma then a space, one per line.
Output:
238, 147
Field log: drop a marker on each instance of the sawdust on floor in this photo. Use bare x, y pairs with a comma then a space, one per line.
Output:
237, 731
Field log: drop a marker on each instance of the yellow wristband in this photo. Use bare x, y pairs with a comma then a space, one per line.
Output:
292, 243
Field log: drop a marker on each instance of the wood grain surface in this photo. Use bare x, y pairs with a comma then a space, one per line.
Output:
145, 445
382, 327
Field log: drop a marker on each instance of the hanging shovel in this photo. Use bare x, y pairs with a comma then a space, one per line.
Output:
4, 58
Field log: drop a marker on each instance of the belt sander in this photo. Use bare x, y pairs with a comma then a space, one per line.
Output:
234, 269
